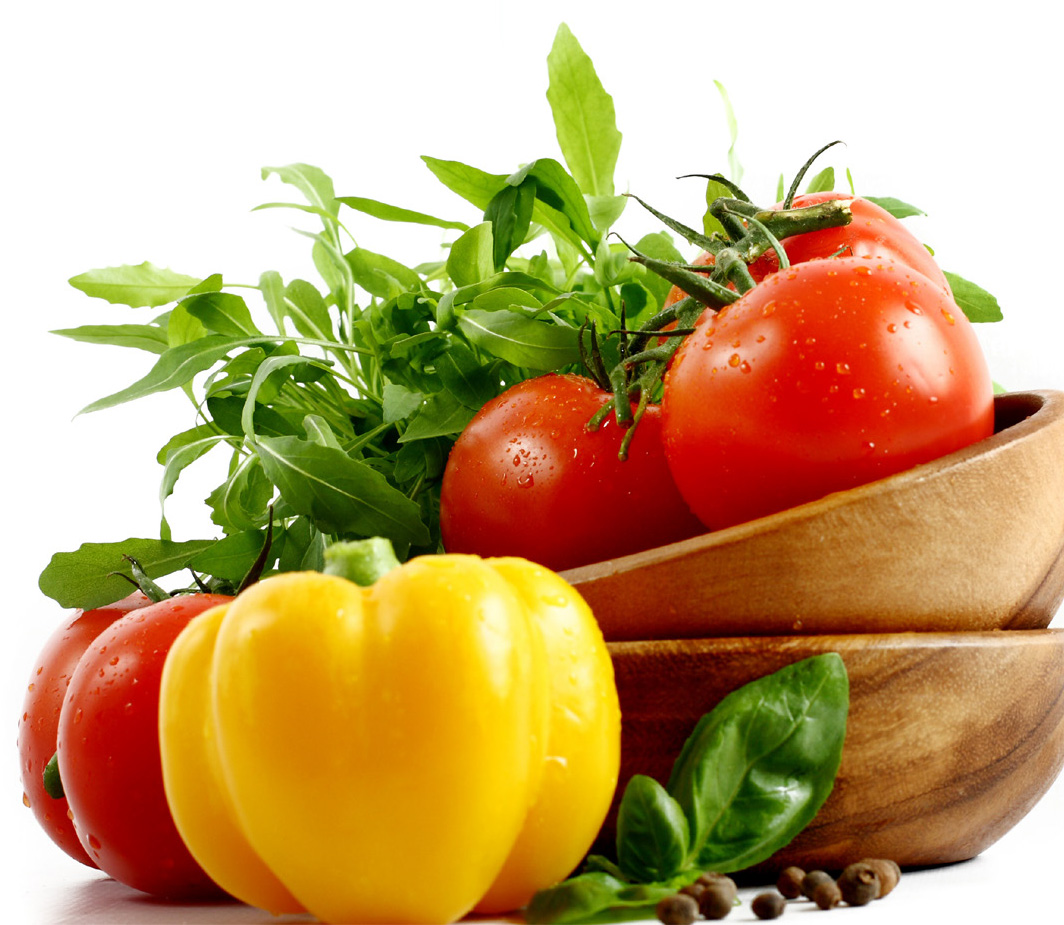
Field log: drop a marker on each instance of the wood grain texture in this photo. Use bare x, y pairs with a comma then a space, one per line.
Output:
972, 541
951, 739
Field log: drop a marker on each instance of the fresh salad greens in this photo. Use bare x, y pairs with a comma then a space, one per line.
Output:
752, 775
336, 400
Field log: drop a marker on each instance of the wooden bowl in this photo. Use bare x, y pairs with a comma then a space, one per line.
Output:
951, 737
971, 541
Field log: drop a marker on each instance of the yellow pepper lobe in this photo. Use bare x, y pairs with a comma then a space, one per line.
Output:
196, 792
372, 735
582, 757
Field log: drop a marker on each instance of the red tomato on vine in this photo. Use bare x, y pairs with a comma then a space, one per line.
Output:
108, 748
527, 478
873, 233
824, 376
39, 723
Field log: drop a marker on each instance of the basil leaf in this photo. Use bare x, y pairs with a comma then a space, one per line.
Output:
140, 286
88, 577
758, 767
651, 831
594, 897
341, 496
977, 304
584, 116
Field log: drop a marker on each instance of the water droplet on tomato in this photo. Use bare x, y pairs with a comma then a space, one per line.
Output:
933, 399
734, 360
892, 328
768, 308
744, 367
949, 317
517, 459
526, 480
31, 686
760, 338
25, 799
913, 307
842, 369
818, 365
94, 842
858, 393
863, 270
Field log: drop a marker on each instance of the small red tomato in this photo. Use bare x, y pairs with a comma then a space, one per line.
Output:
825, 376
527, 478
39, 723
873, 233
109, 760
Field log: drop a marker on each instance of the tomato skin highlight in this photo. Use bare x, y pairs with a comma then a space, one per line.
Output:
39, 722
109, 759
825, 376
526, 478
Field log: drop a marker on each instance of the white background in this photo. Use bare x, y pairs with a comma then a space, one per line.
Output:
136, 132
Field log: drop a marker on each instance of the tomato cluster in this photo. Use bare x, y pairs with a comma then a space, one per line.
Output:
93, 701
850, 364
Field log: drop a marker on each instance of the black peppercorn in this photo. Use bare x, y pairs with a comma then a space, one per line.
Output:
811, 879
790, 882
827, 894
768, 905
677, 909
888, 872
717, 899
859, 884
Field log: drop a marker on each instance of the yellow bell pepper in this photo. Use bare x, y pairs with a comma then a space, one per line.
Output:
444, 739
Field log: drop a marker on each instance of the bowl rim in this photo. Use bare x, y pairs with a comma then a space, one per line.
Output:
1018, 416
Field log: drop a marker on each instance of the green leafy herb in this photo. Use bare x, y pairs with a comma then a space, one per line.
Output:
752, 774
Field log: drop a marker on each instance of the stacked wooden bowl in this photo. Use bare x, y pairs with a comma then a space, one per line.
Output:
936, 586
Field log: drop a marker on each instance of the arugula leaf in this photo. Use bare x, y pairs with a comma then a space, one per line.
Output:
471, 183
520, 340
584, 117
340, 495
396, 214
89, 576
978, 305
150, 337
472, 257
895, 207
141, 286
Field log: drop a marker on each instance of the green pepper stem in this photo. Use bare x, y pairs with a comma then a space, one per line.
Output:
361, 561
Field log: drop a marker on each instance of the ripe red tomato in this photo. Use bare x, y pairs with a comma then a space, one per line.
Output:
824, 376
38, 725
527, 478
108, 746
873, 233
